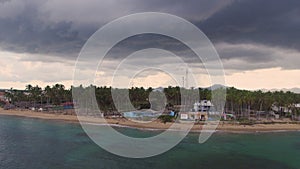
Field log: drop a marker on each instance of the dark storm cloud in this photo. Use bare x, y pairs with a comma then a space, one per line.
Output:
193, 10
61, 28
140, 42
269, 22
27, 34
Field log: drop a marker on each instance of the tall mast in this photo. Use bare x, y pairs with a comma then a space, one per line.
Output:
186, 78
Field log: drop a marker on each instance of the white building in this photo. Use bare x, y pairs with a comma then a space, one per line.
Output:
200, 111
297, 105
203, 105
276, 108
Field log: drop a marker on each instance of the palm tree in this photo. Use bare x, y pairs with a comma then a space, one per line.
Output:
48, 93
58, 94
34, 93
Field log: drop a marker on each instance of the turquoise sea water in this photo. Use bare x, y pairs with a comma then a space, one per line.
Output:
41, 144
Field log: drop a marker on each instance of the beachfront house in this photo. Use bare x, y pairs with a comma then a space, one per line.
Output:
2, 96
203, 106
281, 110
199, 112
296, 112
292, 111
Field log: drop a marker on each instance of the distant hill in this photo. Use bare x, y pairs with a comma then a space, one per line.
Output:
217, 86
295, 90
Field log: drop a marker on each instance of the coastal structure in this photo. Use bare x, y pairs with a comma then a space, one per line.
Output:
2, 95
280, 109
200, 111
143, 115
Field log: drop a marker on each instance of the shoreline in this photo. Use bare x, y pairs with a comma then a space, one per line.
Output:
155, 125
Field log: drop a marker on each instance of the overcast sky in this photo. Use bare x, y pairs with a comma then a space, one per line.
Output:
258, 41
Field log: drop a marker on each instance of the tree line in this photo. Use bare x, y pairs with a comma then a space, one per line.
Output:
238, 102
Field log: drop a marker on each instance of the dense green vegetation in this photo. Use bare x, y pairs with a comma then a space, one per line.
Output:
239, 102
55, 95
166, 118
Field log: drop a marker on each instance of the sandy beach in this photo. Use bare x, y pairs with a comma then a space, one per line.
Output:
223, 127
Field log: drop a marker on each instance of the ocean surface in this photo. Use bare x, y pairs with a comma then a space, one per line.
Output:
42, 144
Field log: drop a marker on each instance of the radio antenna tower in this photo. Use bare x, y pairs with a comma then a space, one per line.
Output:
186, 78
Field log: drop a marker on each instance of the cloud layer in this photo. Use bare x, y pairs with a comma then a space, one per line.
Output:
62, 27
249, 35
